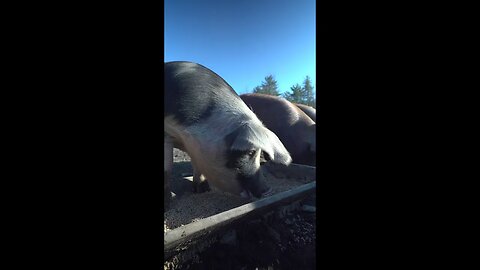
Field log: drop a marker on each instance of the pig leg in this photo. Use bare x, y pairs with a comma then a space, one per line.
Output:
167, 169
200, 183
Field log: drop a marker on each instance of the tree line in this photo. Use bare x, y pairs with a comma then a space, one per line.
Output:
302, 94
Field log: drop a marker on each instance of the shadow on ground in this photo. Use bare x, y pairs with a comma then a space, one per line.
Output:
178, 183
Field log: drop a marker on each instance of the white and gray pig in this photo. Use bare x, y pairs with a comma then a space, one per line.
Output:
205, 118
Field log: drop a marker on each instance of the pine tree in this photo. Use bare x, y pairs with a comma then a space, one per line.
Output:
269, 86
296, 94
308, 92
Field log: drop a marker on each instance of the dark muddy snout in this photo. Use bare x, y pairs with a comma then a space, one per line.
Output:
256, 185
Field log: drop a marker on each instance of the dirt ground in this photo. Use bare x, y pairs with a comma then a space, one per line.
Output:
287, 243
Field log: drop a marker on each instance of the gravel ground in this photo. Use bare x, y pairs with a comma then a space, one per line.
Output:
187, 207
287, 244
180, 156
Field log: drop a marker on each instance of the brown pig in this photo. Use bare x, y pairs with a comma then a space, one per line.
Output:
294, 128
310, 111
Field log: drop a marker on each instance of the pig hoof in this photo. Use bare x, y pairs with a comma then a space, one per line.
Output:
201, 187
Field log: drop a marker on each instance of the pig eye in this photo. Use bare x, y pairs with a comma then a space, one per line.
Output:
252, 153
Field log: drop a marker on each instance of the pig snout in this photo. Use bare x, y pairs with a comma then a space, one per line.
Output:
255, 186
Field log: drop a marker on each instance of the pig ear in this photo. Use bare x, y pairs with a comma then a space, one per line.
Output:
248, 137
280, 153
264, 157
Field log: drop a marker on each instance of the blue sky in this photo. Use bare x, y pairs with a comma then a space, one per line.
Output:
244, 40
